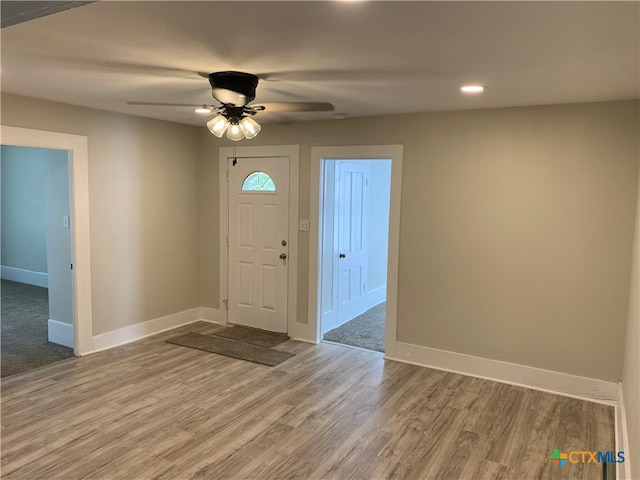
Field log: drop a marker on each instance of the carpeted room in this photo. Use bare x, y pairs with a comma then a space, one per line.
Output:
538, 199
24, 337
36, 257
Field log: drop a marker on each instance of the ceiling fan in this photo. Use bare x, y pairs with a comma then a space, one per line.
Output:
235, 91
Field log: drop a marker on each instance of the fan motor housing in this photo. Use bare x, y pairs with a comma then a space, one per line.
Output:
241, 83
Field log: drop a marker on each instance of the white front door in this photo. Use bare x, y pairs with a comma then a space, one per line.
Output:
353, 218
258, 242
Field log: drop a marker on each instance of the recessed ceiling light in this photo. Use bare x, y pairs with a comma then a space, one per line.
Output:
202, 110
473, 89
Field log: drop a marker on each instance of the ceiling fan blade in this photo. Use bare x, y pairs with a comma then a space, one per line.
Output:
160, 104
294, 107
18, 12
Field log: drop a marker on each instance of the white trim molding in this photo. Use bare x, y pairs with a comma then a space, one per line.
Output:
20, 275
584, 388
60, 332
77, 146
623, 471
141, 330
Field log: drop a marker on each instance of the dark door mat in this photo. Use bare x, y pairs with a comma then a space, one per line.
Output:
253, 335
232, 348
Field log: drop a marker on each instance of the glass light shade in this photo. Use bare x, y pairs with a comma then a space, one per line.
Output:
234, 132
250, 126
218, 125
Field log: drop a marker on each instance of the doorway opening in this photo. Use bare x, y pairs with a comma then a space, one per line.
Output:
75, 147
354, 250
319, 156
37, 282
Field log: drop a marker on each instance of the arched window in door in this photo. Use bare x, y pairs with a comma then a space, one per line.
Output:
258, 181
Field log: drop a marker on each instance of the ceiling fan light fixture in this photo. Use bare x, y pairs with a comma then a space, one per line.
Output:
235, 91
235, 132
250, 127
218, 125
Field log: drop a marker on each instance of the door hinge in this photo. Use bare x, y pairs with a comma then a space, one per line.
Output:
225, 302
227, 175
366, 182
72, 266
227, 241
364, 287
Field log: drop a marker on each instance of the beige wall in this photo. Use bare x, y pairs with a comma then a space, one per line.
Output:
209, 220
143, 195
631, 366
516, 228
516, 224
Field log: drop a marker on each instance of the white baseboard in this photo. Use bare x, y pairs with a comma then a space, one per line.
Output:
212, 315
623, 470
39, 279
583, 388
141, 330
61, 333
377, 295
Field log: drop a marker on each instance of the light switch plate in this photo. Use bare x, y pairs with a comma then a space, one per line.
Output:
304, 225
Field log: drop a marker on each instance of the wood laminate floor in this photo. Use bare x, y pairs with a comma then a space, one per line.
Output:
156, 410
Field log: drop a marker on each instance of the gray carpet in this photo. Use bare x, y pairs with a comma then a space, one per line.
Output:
252, 335
232, 348
364, 331
23, 336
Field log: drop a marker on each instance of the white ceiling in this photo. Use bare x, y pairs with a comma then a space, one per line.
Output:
367, 58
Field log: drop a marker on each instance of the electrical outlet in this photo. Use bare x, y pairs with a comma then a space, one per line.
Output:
304, 225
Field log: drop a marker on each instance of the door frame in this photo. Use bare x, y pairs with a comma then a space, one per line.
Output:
293, 152
77, 147
365, 152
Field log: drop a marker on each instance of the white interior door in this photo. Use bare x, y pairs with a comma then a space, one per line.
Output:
352, 217
258, 242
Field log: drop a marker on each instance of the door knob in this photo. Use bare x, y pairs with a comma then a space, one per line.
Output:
283, 256
342, 255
